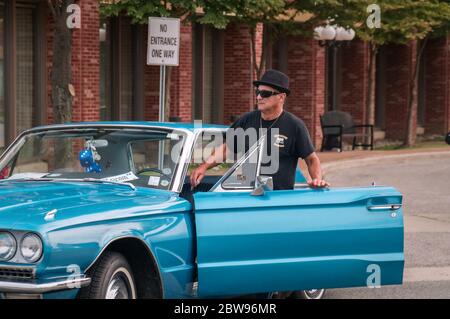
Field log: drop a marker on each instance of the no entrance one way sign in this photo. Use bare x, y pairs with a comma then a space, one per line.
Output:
163, 41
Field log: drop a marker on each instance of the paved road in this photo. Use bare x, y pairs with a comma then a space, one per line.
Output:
425, 183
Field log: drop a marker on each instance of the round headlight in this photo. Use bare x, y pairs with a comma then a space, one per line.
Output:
31, 248
8, 246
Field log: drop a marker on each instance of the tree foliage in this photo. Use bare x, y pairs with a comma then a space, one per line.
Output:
61, 73
217, 13
402, 22
61, 70
141, 10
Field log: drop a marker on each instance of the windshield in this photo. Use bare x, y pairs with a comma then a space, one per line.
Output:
146, 158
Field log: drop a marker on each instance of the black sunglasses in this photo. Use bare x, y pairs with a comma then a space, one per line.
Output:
266, 93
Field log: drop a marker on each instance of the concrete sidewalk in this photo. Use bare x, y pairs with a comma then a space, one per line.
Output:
327, 157
351, 158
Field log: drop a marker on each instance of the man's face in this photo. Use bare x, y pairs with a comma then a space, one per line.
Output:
271, 102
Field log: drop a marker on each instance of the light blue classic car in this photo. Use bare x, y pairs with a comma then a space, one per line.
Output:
105, 210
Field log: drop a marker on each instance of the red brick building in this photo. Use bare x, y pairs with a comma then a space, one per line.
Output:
214, 79
26, 50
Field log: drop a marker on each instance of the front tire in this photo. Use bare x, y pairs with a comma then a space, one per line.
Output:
111, 278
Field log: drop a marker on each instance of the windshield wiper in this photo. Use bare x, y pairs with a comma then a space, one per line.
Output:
90, 180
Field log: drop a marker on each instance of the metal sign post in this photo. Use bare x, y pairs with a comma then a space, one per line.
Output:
162, 92
162, 104
163, 49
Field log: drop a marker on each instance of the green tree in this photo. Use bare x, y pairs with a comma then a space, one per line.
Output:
61, 74
141, 10
414, 22
402, 22
217, 13
249, 13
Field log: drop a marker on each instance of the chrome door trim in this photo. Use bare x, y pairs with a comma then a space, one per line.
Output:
385, 207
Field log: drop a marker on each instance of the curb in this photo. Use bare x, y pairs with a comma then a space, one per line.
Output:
363, 161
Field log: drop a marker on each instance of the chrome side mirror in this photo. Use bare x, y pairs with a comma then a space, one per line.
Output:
262, 184
447, 138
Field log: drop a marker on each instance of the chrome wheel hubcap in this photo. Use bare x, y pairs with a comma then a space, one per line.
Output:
120, 286
314, 293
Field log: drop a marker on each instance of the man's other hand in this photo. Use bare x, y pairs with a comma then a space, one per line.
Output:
197, 175
318, 183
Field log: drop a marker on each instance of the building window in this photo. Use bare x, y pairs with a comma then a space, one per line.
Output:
380, 88
208, 72
421, 87
333, 79
23, 72
2, 75
208, 66
25, 109
126, 71
104, 114
279, 56
117, 84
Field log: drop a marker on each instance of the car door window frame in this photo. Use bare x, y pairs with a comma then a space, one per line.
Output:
257, 147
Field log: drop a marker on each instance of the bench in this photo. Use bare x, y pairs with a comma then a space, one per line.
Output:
337, 125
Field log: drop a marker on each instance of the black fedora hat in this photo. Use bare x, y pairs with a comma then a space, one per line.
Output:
276, 79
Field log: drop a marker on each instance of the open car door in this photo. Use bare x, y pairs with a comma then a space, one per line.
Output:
295, 239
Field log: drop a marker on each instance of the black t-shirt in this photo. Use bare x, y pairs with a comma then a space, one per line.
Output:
289, 141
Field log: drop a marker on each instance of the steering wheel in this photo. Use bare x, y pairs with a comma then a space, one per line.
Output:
151, 169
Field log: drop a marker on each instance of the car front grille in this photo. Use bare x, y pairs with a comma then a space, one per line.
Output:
17, 273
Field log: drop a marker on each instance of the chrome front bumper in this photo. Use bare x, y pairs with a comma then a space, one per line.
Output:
29, 288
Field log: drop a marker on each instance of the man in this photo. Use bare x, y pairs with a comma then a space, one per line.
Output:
284, 130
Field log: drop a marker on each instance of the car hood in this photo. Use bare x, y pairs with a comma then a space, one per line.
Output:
26, 204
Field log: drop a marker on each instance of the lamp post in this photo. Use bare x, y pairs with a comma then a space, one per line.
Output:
333, 36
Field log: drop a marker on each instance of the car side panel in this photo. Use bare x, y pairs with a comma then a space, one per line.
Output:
296, 240
168, 234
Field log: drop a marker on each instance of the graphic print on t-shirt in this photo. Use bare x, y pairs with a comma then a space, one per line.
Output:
279, 140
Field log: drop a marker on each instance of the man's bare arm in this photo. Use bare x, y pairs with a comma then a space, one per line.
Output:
217, 157
315, 171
